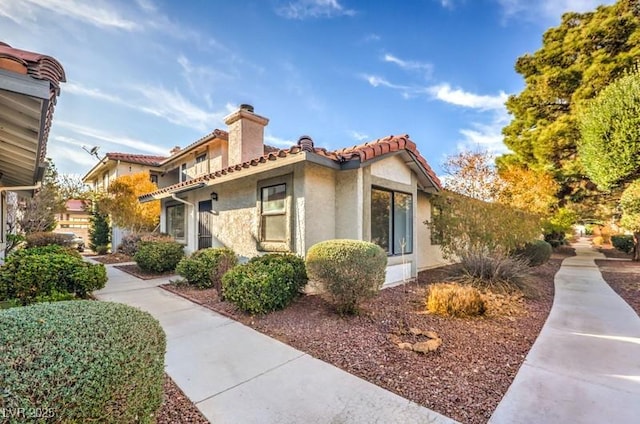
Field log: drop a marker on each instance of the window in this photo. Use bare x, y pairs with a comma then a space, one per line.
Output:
201, 158
154, 178
273, 213
392, 221
175, 221
201, 164
183, 173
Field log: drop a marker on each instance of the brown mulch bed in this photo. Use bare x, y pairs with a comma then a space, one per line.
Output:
114, 258
135, 270
176, 407
611, 252
464, 379
624, 279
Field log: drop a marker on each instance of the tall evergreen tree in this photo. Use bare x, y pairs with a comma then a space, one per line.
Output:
580, 57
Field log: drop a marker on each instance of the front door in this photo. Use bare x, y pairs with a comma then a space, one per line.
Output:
204, 224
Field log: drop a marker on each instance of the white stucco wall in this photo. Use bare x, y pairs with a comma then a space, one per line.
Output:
392, 168
428, 255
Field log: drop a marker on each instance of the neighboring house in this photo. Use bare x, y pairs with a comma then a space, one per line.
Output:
229, 190
114, 165
29, 87
74, 219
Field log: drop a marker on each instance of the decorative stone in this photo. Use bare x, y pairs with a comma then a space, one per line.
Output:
415, 331
428, 346
405, 346
431, 334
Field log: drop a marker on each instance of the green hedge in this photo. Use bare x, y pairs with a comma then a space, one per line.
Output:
349, 271
81, 361
34, 274
159, 256
624, 243
264, 284
535, 253
205, 268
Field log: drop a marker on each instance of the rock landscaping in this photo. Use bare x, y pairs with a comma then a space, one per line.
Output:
460, 367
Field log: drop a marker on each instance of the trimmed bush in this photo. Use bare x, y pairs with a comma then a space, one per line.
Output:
349, 271
101, 250
40, 272
535, 253
81, 361
623, 243
455, 300
495, 272
158, 256
597, 241
205, 268
129, 244
264, 284
46, 239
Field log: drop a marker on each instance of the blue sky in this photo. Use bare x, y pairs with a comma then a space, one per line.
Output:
147, 75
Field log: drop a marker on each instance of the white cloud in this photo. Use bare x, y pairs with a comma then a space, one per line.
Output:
371, 37
358, 136
278, 142
119, 140
552, 9
409, 65
486, 136
97, 14
302, 9
158, 101
377, 81
459, 97
448, 4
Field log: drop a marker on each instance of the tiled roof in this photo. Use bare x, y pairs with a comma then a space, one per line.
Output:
149, 160
221, 134
40, 67
363, 153
75, 205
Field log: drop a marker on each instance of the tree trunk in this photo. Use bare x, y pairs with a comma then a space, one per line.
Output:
636, 246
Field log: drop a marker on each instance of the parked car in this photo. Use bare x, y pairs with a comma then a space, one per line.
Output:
74, 241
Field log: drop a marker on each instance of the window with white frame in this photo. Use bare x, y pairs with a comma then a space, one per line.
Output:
274, 209
392, 221
184, 176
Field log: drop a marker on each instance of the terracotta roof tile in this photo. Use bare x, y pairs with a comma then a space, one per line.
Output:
363, 153
221, 134
149, 160
37, 66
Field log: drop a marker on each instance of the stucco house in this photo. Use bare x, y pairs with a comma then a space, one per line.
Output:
29, 87
229, 189
114, 165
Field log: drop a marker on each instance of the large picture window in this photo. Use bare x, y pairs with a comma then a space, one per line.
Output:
392, 221
175, 221
273, 210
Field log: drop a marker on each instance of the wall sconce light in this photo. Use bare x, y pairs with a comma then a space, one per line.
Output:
214, 196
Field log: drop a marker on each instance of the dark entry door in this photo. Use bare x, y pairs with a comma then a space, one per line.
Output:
204, 224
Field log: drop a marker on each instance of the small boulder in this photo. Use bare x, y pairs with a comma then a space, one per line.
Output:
431, 334
405, 346
428, 346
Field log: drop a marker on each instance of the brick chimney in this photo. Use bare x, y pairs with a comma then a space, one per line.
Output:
246, 135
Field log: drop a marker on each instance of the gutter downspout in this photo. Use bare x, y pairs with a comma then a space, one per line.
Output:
22, 188
191, 214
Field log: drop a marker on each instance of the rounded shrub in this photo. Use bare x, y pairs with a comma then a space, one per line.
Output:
349, 271
623, 243
264, 284
40, 272
535, 253
455, 300
205, 268
82, 361
158, 256
46, 239
598, 241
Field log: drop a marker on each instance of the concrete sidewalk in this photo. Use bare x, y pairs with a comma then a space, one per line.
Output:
237, 375
585, 365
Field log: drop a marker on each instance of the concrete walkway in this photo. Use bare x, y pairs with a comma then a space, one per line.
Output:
236, 375
585, 365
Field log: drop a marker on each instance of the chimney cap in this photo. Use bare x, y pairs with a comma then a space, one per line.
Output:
247, 107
